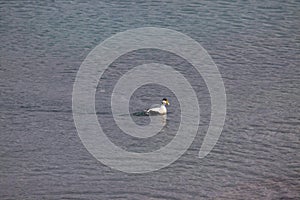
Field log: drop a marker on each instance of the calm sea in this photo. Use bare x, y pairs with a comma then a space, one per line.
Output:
256, 46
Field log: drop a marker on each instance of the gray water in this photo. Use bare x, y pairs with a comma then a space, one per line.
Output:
256, 46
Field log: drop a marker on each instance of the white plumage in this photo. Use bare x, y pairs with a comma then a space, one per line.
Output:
159, 110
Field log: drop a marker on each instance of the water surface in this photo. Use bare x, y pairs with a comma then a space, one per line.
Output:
256, 47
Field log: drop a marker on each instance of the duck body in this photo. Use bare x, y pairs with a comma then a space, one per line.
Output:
162, 110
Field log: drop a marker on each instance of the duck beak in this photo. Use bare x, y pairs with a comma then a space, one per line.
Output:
167, 103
